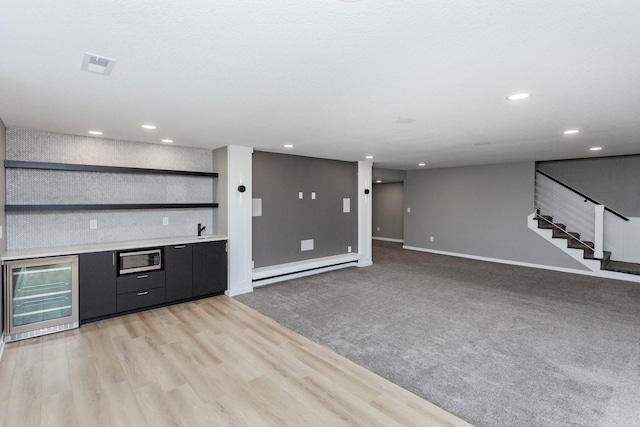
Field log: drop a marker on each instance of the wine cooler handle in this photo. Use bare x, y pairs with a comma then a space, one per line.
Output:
142, 293
143, 276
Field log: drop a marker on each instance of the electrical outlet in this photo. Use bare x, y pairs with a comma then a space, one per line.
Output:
313, 195
93, 224
378, 228
165, 220
431, 238
408, 210
349, 249
300, 195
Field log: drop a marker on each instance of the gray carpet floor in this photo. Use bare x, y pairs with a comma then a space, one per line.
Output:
494, 344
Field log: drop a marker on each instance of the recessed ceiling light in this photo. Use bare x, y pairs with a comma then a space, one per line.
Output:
288, 145
369, 157
422, 164
97, 63
95, 132
571, 131
517, 96
595, 148
167, 141
149, 127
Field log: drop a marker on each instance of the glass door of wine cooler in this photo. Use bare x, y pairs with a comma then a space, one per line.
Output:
42, 296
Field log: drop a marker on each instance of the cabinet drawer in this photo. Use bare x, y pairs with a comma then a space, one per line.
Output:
140, 281
140, 299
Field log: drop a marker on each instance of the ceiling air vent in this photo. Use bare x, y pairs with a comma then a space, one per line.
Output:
97, 64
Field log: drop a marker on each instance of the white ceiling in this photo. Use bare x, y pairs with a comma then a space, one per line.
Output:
333, 77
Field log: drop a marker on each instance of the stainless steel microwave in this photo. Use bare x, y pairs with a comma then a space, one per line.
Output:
134, 262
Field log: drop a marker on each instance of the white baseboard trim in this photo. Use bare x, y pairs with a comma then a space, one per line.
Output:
234, 292
270, 280
1, 345
387, 239
602, 273
297, 266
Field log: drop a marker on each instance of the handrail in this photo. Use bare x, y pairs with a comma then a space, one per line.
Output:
581, 194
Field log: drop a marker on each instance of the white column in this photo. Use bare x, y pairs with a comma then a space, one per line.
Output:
598, 242
239, 162
364, 213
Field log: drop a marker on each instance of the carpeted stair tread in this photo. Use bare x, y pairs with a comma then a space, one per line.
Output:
563, 234
623, 267
578, 244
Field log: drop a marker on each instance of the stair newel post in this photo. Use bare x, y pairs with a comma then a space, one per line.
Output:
599, 232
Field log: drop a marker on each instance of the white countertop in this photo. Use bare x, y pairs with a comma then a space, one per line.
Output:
112, 246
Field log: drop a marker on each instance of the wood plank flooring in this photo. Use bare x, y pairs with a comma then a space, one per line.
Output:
212, 362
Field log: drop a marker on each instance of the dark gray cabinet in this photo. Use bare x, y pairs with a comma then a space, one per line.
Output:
138, 290
209, 268
97, 279
189, 271
178, 272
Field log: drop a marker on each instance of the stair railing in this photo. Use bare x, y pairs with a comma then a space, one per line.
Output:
568, 206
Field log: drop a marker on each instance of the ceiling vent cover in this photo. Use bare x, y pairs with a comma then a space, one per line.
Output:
97, 64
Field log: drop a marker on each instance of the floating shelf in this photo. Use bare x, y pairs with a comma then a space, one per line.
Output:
31, 208
18, 164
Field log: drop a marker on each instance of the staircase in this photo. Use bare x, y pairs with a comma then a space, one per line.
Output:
559, 231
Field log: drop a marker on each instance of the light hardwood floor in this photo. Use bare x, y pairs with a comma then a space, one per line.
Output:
205, 363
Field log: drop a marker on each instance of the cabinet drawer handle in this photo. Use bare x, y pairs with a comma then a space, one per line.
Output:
143, 276
180, 247
142, 293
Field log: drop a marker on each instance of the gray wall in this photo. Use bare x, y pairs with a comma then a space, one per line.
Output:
286, 220
388, 208
27, 230
388, 175
479, 211
612, 181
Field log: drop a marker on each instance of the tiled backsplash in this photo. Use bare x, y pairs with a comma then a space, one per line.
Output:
31, 186
29, 230
38, 146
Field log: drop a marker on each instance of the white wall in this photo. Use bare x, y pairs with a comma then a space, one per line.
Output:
239, 172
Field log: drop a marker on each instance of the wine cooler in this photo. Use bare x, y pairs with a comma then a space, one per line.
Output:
41, 296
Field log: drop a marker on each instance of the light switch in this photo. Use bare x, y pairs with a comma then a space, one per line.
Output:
346, 205
256, 207
306, 245
165, 220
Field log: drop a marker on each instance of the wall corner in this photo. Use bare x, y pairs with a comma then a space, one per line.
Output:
239, 220
364, 213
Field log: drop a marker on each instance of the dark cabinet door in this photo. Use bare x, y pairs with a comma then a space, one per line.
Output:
209, 268
178, 272
97, 284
